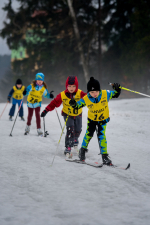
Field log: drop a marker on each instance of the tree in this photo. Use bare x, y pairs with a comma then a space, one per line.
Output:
77, 34
137, 51
58, 54
126, 34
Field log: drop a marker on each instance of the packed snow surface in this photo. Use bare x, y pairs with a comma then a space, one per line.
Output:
32, 192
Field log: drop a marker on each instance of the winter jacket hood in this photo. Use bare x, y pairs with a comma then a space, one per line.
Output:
72, 80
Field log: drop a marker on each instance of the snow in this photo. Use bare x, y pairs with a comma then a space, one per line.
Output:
32, 192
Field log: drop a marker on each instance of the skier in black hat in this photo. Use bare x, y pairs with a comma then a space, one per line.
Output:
96, 101
17, 95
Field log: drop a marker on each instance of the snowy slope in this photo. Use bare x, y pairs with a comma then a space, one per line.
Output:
34, 193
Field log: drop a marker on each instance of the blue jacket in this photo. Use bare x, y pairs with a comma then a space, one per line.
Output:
37, 88
12, 91
81, 102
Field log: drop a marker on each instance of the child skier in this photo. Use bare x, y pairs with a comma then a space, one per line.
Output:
17, 95
74, 122
35, 91
98, 115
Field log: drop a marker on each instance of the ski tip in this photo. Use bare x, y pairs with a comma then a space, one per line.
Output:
128, 166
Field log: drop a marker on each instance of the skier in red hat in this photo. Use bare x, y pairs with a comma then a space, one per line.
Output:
74, 122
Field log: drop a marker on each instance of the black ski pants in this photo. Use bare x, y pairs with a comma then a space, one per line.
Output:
73, 128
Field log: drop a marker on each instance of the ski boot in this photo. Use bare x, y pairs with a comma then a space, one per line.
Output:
27, 130
22, 118
76, 146
10, 118
67, 152
106, 160
40, 132
82, 152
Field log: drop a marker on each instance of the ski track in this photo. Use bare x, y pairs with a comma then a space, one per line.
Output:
32, 192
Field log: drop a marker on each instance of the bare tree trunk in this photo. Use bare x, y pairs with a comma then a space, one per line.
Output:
99, 42
77, 34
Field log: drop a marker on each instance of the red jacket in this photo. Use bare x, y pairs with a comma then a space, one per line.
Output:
57, 101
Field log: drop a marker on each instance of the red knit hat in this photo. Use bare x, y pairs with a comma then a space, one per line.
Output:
72, 80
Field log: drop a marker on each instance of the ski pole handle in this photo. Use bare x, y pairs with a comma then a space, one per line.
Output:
126, 89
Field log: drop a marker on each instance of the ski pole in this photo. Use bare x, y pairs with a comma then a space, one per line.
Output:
45, 132
16, 118
44, 126
131, 91
4, 109
98, 140
58, 118
61, 134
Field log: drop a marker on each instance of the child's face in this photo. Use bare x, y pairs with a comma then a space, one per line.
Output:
39, 82
19, 85
71, 88
94, 94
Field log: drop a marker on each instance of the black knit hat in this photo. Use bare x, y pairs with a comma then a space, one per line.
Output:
93, 85
19, 81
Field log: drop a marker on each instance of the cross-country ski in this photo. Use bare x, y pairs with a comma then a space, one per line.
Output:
98, 165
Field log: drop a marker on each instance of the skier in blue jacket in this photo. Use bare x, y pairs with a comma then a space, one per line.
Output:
17, 95
35, 91
98, 115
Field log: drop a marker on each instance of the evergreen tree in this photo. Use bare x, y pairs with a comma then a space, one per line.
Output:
127, 36
52, 47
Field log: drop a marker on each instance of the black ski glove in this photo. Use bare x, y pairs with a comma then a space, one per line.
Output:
43, 114
116, 88
8, 99
51, 95
73, 103
24, 92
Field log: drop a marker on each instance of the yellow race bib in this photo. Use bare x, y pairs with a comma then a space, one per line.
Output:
98, 111
66, 106
34, 95
18, 93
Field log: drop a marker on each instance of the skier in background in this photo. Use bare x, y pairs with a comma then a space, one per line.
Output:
17, 95
35, 91
74, 122
98, 115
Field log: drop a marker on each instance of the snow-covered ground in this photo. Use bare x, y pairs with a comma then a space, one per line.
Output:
32, 192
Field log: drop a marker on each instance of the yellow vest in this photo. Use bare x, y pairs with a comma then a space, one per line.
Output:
34, 95
98, 111
18, 93
66, 106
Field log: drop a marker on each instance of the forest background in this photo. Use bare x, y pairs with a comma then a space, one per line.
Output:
107, 39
